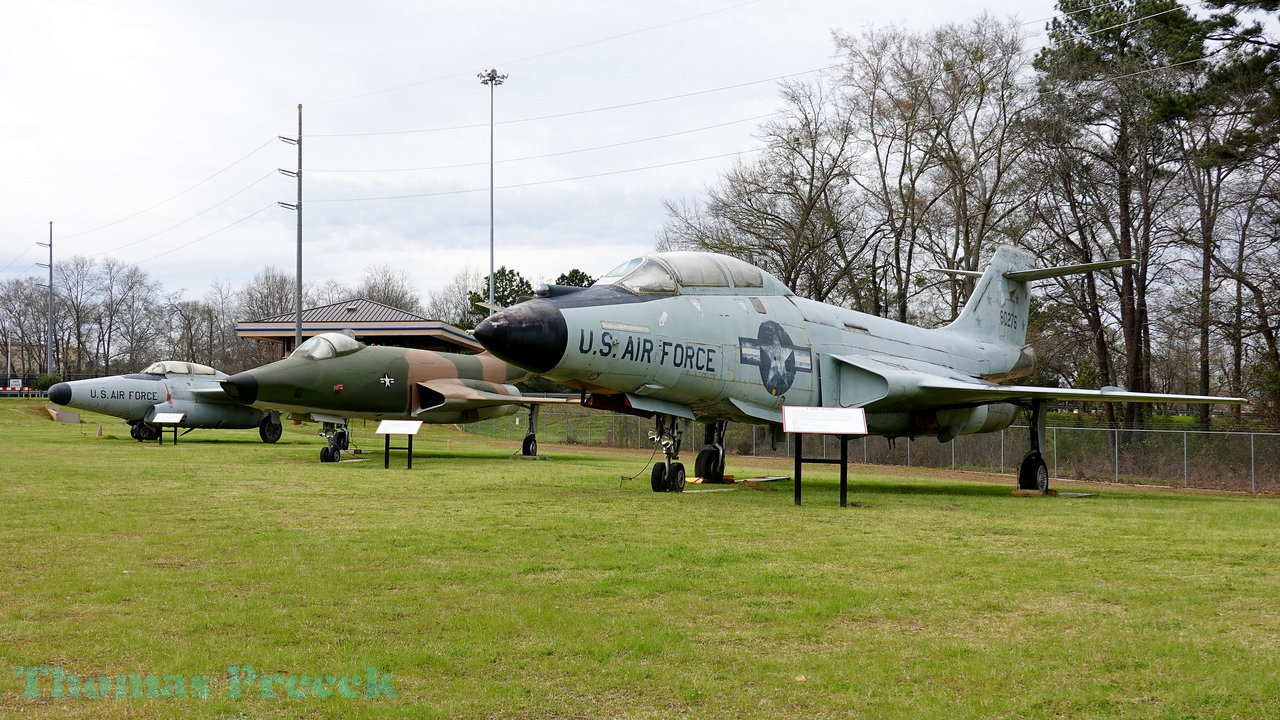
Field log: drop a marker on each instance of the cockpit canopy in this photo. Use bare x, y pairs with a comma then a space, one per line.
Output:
178, 367
700, 273
327, 345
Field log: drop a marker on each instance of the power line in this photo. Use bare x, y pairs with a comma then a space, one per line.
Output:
560, 153
171, 197
539, 55
584, 112
189, 219
538, 182
18, 257
205, 236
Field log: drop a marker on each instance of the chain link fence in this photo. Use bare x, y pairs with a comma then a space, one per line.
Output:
1238, 461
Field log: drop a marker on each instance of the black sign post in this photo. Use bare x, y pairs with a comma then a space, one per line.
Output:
844, 423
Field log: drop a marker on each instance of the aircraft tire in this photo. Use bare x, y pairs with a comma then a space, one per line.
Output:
529, 448
326, 454
658, 478
133, 432
145, 432
269, 432
675, 478
1033, 473
702, 464
709, 465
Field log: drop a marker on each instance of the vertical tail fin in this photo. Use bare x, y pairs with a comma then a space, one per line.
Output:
998, 309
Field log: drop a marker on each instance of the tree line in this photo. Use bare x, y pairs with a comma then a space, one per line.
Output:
111, 317
1138, 131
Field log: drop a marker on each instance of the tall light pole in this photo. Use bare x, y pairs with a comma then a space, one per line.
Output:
491, 78
48, 345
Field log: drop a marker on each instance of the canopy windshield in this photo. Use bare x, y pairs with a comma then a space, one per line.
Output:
177, 367
326, 345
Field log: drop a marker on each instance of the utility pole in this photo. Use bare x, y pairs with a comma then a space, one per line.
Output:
297, 207
48, 345
491, 78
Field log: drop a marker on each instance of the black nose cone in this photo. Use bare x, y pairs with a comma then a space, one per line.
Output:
60, 394
531, 335
242, 387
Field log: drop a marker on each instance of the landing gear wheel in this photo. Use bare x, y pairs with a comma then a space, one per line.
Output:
1033, 473
326, 454
702, 463
658, 478
133, 432
529, 448
709, 465
270, 431
146, 432
675, 478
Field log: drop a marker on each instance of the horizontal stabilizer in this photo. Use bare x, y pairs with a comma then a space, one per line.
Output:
1046, 273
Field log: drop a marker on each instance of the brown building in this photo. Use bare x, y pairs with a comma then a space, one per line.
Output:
373, 323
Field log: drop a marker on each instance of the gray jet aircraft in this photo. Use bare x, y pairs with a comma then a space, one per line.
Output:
168, 386
695, 335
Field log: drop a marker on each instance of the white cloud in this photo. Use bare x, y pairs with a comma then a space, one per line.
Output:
113, 109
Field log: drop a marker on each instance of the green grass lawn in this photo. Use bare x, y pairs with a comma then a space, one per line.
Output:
493, 587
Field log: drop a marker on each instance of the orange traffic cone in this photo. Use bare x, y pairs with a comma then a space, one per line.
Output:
99, 429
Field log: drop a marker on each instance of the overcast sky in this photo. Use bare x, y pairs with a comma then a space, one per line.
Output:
147, 130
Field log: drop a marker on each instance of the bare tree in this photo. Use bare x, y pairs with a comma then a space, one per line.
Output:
389, 285
452, 303
793, 210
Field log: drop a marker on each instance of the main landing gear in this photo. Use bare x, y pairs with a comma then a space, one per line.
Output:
1033, 473
270, 428
710, 462
529, 448
667, 476
337, 437
142, 432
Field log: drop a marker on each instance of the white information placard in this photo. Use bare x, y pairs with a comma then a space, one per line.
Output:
824, 421
168, 418
398, 427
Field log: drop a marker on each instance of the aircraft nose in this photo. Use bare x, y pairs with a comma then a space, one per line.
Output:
242, 387
60, 394
531, 335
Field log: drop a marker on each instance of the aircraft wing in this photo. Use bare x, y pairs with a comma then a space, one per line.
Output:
900, 384
212, 394
476, 394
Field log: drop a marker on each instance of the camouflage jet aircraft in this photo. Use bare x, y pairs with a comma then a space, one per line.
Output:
703, 336
168, 386
332, 377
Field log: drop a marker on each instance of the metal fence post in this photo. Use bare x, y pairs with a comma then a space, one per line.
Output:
1002, 452
1253, 464
1115, 434
1185, 475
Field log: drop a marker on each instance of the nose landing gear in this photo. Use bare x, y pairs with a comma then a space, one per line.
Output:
669, 475
337, 440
